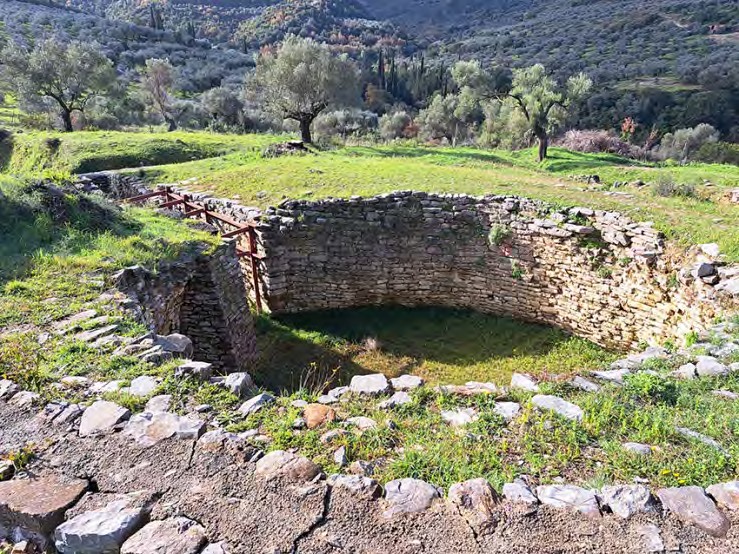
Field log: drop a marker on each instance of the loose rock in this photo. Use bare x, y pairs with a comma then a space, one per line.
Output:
726, 494
523, 382
570, 497
369, 384
255, 404
627, 500
288, 466
406, 496
558, 406
177, 535
692, 506
475, 500
102, 417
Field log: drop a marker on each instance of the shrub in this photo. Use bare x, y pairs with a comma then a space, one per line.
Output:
397, 125
498, 234
596, 142
345, 123
718, 153
651, 388
683, 144
667, 188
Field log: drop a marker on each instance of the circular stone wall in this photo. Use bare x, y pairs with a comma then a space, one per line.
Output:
597, 274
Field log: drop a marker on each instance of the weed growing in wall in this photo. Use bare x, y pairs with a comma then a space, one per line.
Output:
498, 234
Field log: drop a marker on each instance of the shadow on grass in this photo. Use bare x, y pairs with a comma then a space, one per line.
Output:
313, 348
36, 217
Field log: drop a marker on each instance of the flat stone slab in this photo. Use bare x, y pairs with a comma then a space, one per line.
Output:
406, 382
143, 386
476, 500
288, 466
612, 375
358, 484
584, 384
103, 530
708, 366
519, 492
726, 494
161, 403
691, 505
398, 399
569, 497
459, 417
407, 496
523, 382
559, 406
95, 334
177, 535
627, 500
148, 429
253, 405
360, 422
33, 508
507, 410
102, 417
695, 435
637, 448
373, 385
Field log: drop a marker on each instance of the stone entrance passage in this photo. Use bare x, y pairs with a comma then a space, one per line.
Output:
204, 297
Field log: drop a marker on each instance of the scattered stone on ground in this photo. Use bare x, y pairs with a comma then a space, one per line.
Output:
612, 375
708, 441
406, 382
255, 404
638, 448
692, 506
726, 495
358, 484
507, 410
148, 429
202, 371
584, 384
374, 384
627, 500
360, 422
398, 399
523, 382
558, 406
143, 386
239, 384
570, 497
102, 417
405, 496
519, 491
459, 417
475, 499
651, 540
287, 465
316, 415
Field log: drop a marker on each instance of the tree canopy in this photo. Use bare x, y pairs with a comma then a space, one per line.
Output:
70, 74
301, 79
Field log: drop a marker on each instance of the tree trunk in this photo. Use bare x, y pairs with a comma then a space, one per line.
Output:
305, 131
543, 146
67, 120
171, 124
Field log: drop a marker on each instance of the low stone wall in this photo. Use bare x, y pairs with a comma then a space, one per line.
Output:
202, 296
597, 274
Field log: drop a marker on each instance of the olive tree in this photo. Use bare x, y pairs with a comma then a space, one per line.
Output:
69, 74
301, 79
157, 82
543, 102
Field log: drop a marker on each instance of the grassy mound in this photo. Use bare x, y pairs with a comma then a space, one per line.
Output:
55, 154
694, 218
57, 251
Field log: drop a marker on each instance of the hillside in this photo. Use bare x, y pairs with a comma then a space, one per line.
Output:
129, 45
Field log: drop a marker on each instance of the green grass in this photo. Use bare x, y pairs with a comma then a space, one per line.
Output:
365, 171
56, 262
442, 345
58, 154
419, 444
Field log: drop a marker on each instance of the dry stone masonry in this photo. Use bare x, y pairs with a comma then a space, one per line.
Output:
202, 296
595, 273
